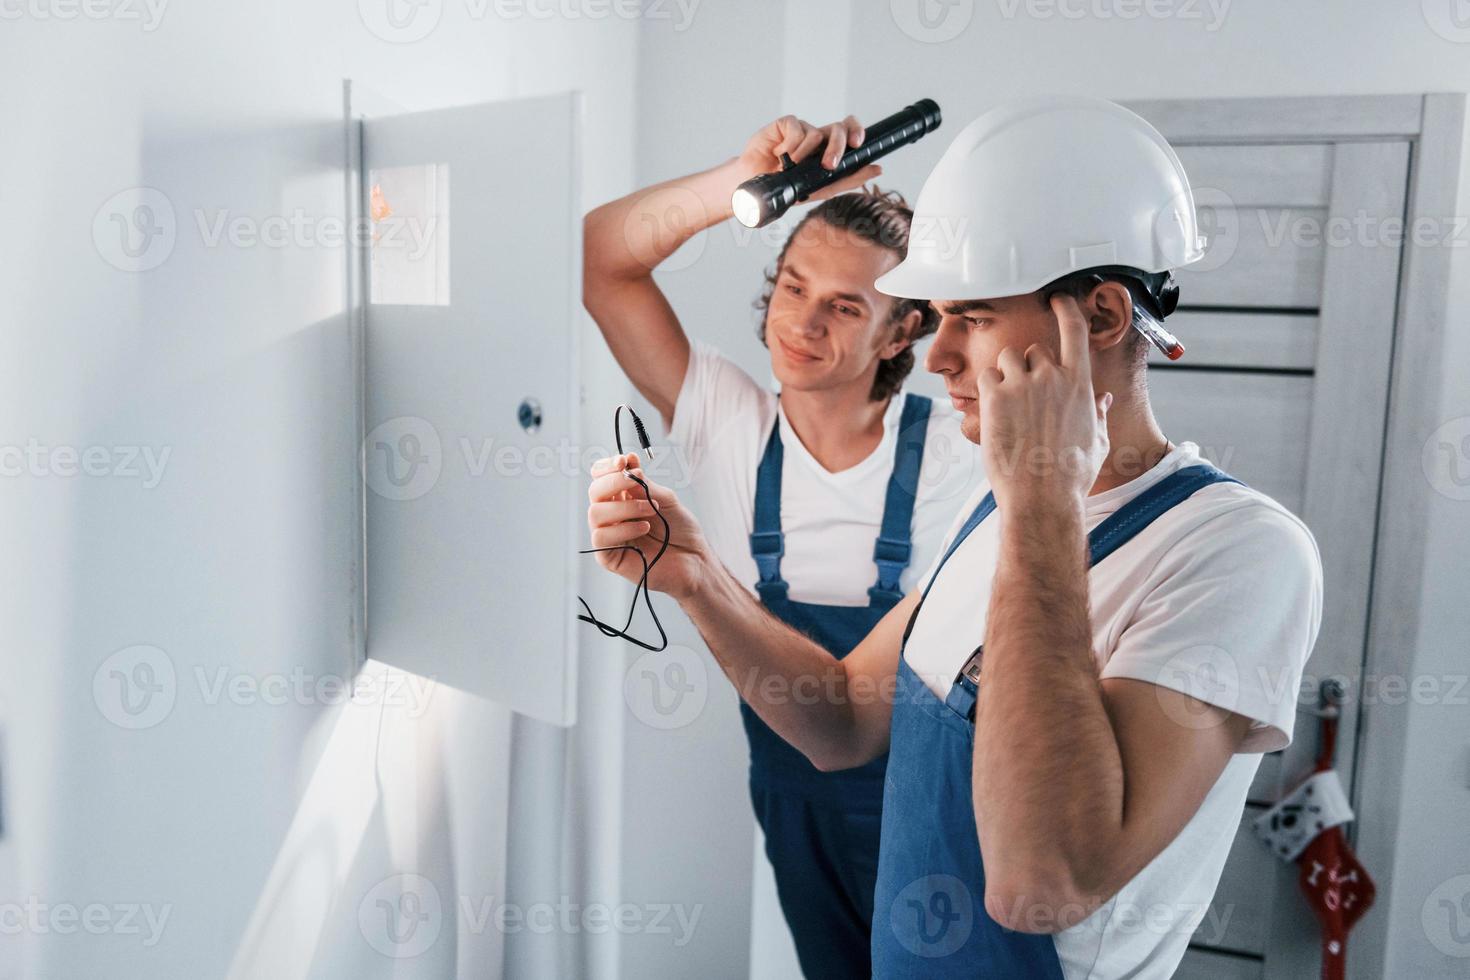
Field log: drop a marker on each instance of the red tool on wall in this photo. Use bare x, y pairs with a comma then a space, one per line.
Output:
1307, 827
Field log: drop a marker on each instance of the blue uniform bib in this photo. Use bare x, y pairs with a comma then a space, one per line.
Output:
929, 906
821, 828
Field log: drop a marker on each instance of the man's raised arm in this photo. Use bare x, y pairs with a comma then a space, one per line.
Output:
624, 240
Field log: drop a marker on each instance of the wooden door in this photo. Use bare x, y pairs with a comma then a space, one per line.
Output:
1289, 324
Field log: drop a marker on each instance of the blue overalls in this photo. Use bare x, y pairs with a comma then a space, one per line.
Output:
821, 828
930, 919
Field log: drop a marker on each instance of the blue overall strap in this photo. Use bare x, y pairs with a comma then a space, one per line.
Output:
1105, 539
894, 547
982, 510
1143, 509
767, 544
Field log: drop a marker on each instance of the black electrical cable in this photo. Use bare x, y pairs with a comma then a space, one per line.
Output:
642, 587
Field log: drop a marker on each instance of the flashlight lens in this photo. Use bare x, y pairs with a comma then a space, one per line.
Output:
747, 207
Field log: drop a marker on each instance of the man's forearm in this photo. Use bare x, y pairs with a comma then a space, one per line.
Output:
797, 687
1048, 775
629, 237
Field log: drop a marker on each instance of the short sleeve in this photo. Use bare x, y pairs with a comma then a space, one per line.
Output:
715, 393
1229, 616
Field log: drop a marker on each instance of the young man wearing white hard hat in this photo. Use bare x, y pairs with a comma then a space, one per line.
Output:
827, 502
1076, 700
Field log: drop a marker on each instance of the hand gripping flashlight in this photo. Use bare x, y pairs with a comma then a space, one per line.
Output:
763, 199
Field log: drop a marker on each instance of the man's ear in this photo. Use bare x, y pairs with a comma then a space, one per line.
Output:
903, 334
1109, 311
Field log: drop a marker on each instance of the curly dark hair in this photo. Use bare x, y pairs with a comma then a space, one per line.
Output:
878, 216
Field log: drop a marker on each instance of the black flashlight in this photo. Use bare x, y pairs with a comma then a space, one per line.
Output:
763, 199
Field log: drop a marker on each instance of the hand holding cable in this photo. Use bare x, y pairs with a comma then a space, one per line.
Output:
631, 516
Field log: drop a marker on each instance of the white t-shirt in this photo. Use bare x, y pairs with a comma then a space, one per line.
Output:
722, 421
1220, 598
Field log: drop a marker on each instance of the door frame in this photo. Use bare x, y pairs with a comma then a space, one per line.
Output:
1436, 127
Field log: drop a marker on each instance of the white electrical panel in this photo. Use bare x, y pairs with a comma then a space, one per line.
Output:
473, 495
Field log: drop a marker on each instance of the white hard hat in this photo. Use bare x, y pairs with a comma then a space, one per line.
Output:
1036, 189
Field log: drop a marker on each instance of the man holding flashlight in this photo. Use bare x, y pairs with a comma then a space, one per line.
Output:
825, 502
1076, 699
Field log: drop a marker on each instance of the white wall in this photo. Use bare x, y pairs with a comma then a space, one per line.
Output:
256, 827
687, 825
